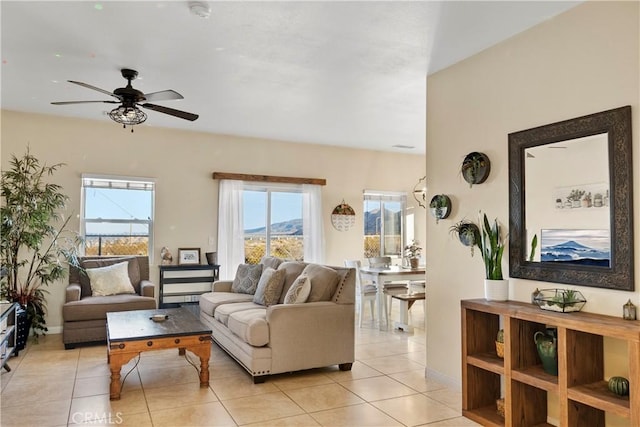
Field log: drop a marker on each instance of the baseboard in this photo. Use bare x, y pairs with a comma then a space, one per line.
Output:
51, 330
450, 382
54, 330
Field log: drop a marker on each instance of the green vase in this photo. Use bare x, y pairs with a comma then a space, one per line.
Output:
547, 346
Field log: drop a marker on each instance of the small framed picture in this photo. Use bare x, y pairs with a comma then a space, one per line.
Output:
188, 256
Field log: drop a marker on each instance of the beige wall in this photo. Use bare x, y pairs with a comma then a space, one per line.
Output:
182, 163
581, 62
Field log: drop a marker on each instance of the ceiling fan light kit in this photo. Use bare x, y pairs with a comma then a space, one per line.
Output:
128, 115
129, 98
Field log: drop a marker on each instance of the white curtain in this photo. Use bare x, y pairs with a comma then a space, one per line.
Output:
230, 228
312, 223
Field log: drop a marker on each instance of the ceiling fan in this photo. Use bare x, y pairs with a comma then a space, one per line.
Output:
129, 99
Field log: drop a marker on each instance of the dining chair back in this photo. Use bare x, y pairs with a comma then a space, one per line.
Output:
364, 292
389, 288
380, 261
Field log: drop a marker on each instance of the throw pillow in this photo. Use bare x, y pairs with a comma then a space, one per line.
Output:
110, 280
247, 277
269, 287
134, 271
299, 291
324, 281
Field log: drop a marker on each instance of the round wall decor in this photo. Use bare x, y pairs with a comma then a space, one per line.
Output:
475, 168
343, 217
440, 206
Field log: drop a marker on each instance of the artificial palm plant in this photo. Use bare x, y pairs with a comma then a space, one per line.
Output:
33, 250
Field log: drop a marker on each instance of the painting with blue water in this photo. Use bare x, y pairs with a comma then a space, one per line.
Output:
581, 247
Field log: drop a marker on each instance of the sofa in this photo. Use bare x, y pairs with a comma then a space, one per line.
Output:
85, 314
297, 329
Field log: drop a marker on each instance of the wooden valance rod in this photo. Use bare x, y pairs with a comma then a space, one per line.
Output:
269, 178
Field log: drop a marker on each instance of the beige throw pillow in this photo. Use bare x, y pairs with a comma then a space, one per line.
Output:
247, 277
324, 281
269, 287
110, 280
134, 271
299, 291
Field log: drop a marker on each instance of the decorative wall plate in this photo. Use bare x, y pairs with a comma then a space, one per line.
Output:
440, 206
475, 168
343, 217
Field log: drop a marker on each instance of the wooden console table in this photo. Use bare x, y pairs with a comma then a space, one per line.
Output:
183, 284
581, 386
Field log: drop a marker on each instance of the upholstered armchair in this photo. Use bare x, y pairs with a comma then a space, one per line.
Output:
86, 304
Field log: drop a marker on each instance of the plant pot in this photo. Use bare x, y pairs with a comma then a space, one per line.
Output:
500, 349
212, 258
547, 346
468, 233
496, 290
414, 262
476, 168
23, 328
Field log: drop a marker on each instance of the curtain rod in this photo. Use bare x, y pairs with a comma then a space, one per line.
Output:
269, 178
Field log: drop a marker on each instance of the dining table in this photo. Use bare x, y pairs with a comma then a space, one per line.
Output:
394, 273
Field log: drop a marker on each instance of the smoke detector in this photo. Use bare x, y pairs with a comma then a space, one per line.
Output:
201, 9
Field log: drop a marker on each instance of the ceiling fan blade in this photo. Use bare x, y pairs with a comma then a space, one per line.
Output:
171, 111
88, 86
83, 102
163, 95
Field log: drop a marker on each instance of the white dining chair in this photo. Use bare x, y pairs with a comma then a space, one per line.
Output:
388, 288
364, 292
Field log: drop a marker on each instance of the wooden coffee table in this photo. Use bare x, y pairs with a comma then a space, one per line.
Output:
129, 333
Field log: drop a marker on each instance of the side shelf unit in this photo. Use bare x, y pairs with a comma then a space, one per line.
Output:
183, 284
8, 330
580, 385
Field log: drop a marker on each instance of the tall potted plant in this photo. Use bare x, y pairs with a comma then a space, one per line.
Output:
489, 239
491, 246
33, 250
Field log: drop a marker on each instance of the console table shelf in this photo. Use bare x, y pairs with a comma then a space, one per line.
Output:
580, 386
183, 284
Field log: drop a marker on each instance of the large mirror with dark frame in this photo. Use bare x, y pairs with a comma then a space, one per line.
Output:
571, 202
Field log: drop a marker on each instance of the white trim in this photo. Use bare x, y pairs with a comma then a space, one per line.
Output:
52, 330
450, 382
272, 186
117, 177
378, 193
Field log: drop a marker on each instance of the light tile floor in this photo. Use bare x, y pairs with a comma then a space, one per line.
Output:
50, 386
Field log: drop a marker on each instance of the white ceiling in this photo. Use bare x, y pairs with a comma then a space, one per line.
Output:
336, 73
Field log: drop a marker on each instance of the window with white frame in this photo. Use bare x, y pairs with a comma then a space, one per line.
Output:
276, 219
273, 224
117, 215
384, 223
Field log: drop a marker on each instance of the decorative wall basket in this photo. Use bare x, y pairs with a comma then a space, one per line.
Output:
475, 168
440, 206
343, 217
